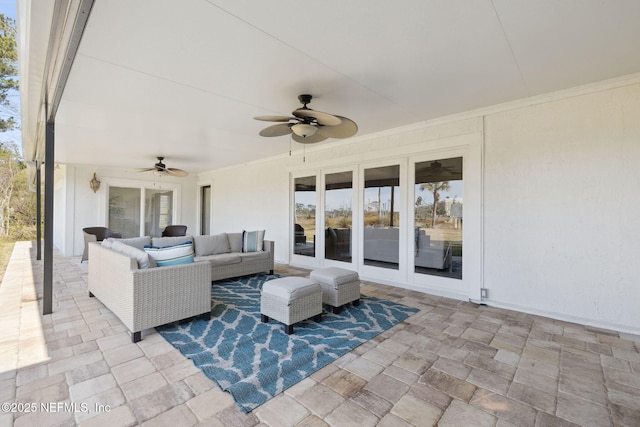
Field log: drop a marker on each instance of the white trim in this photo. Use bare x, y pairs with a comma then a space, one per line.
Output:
142, 185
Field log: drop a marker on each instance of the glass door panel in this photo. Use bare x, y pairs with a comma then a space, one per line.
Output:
382, 217
338, 216
124, 211
438, 199
205, 214
304, 230
158, 211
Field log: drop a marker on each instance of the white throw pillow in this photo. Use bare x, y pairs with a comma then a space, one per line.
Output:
171, 255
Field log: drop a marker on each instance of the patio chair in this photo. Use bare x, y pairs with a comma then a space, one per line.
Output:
299, 234
95, 234
174, 231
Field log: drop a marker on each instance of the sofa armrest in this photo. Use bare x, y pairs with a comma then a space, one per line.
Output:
166, 294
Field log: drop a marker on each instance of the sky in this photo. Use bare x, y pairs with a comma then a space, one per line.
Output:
8, 8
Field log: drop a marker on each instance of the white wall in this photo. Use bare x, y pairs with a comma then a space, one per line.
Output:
555, 183
77, 206
557, 188
562, 207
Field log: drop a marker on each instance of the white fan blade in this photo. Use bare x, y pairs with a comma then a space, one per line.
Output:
344, 130
276, 130
321, 118
273, 118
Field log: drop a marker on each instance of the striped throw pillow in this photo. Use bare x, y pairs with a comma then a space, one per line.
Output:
252, 241
171, 255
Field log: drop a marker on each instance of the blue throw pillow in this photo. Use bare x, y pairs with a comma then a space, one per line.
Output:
171, 255
252, 241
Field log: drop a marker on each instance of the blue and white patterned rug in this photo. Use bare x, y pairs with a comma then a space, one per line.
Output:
255, 361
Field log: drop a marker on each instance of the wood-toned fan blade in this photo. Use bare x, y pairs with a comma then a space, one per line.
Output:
176, 172
344, 130
146, 169
276, 130
273, 118
324, 119
308, 139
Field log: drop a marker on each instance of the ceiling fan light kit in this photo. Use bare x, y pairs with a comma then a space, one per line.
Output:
160, 169
304, 130
308, 126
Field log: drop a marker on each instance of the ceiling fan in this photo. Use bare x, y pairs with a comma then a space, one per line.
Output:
308, 126
161, 169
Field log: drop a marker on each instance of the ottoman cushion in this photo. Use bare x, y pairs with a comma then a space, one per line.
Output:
334, 276
290, 288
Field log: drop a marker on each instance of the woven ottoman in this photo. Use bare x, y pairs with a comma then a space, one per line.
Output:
290, 300
339, 286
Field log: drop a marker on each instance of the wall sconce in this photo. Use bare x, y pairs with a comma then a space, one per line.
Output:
94, 183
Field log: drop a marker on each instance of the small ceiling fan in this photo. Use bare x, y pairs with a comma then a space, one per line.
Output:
161, 169
308, 126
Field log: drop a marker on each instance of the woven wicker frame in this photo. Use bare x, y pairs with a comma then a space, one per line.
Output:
151, 297
345, 293
291, 312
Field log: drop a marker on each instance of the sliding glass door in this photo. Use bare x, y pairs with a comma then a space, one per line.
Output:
140, 211
338, 216
438, 201
381, 213
304, 227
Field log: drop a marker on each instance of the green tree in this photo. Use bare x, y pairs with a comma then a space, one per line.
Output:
8, 66
435, 188
17, 203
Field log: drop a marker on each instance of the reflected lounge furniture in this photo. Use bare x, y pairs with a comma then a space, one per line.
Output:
174, 231
95, 234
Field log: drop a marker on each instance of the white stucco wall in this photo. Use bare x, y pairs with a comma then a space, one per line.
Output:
551, 201
557, 187
562, 204
77, 206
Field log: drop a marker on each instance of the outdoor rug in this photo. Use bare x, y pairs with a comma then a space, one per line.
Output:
255, 361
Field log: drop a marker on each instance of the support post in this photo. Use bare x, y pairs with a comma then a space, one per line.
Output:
47, 286
38, 211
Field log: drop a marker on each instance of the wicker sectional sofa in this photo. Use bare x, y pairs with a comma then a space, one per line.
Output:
144, 298
123, 275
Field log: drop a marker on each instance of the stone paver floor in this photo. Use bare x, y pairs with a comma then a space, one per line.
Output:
452, 364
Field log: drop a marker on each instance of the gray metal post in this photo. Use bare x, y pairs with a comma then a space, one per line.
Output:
38, 212
47, 286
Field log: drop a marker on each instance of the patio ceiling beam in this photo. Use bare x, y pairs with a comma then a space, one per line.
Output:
69, 20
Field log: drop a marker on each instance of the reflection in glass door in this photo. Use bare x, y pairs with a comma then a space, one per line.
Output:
124, 211
304, 230
438, 217
338, 216
382, 217
158, 211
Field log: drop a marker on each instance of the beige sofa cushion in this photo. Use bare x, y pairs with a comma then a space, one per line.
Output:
170, 241
221, 259
136, 242
211, 245
133, 252
235, 241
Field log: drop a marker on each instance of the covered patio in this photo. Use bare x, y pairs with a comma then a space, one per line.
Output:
454, 363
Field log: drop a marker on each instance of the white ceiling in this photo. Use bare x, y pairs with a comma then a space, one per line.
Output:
184, 79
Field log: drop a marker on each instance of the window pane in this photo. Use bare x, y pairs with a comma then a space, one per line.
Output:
205, 219
158, 211
382, 216
124, 211
338, 216
305, 216
438, 217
